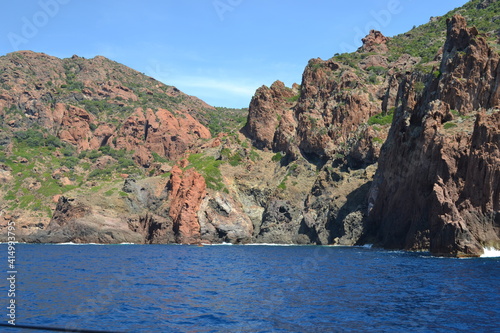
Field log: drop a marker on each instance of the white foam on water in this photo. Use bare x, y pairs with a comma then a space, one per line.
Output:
250, 244
77, 244
270, 244
93, 244
490, 252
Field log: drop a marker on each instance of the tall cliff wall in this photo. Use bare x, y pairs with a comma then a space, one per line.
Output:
438, 188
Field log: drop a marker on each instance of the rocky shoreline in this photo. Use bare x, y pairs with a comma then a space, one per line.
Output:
315, 164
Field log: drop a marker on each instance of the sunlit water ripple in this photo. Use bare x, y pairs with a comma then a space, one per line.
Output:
167, 288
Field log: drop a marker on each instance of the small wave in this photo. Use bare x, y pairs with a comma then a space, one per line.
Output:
91, 244
490, 252
270, 244
250, 244
78, 244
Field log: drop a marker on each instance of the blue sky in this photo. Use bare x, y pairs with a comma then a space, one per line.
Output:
217, 50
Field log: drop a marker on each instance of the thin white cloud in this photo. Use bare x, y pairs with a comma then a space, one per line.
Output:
211, 84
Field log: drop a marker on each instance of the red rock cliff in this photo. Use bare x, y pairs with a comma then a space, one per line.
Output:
267, 108
437, 186
186, 192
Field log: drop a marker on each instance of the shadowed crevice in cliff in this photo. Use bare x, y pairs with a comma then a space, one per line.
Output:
314, 159
154, 228
349, 225
335, 209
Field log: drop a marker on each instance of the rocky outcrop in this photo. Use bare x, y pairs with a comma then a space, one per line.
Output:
330, 115
375, 41
186, 192
137, 214
467, 216
75, 125
222, 220
159, 132
484, 4
79, 223
335, 208
365, 150
437, 189
281, 223
267, 108
471, 69
153, 228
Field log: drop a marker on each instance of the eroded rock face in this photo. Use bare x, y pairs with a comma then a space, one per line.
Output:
159, 132
467, 214
471, 67
222, 220
79, 223
281, 224
186, 192
375, 41
335, 208
330, 114
267, 108
75, 126
154, 229
437, 189
331, 110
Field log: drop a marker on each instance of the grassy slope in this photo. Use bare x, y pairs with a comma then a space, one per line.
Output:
424, 41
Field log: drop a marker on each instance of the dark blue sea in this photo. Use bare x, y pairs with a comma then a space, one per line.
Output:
172, 288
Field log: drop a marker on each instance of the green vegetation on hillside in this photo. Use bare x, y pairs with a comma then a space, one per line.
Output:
424, 41
226, 120
208, 167
43, 166
382, 119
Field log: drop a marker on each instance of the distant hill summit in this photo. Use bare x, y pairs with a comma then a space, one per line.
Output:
92, 103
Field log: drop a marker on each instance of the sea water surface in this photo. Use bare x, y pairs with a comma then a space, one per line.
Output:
171, 288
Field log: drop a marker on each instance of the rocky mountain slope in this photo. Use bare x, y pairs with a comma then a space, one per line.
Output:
420, 198
94, 103
396, 144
